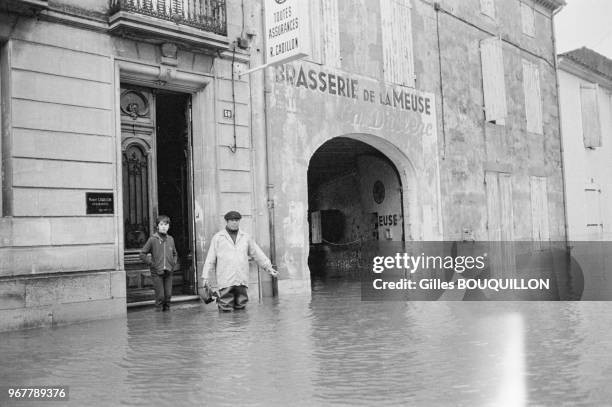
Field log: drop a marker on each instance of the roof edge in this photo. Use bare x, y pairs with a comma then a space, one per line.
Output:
583, 71
551, 4
590, 60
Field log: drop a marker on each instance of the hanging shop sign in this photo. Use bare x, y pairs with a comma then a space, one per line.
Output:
287, 30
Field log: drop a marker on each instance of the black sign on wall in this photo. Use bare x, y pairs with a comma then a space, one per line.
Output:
99, 203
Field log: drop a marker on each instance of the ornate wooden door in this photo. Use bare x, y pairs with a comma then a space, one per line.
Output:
138, 143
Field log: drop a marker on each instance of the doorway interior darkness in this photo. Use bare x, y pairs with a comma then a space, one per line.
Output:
355, 203
174, 178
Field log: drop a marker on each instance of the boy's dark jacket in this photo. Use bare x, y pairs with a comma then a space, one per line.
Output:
163, 253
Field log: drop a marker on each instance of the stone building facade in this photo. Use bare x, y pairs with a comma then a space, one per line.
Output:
114, 112
457, 98
410, 120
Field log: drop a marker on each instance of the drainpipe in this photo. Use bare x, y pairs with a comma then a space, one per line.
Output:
268, 168
554, 43
269, 185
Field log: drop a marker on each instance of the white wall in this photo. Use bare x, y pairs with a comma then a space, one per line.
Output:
586, 168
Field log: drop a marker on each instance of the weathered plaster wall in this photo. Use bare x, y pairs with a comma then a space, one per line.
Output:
470, 146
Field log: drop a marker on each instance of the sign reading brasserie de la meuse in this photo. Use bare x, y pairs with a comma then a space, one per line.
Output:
287, 30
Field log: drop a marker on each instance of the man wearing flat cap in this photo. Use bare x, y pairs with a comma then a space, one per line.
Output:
227, 263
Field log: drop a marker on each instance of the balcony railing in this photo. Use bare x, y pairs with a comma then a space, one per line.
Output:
206, 15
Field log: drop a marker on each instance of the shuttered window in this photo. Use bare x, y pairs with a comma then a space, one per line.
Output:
500, 220
316, 32
539, 209
487, 7
593, 208
528, 19
396, 26
500, 224
533, 99
330, 48
494, 86
591, 126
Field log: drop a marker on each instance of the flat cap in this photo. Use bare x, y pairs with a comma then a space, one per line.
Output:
233, 215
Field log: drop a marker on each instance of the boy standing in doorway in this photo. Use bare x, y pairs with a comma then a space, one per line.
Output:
162, 262
228, 263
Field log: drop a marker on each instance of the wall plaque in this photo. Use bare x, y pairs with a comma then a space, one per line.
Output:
99, 203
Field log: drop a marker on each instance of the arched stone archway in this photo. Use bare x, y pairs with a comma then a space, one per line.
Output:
413, 220
302, 120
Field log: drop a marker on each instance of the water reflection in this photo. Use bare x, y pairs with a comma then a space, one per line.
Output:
327, 349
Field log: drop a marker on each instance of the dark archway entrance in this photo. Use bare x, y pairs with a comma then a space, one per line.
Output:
354, 202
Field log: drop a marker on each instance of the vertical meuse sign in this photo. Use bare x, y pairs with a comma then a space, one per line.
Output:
287, 30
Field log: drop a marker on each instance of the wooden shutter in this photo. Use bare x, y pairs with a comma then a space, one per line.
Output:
396, 27
528, 19
487, 7
507, 218
500, 224
539, 209
500, 218
533, 99
493, 82
593, 212
316, 32
591, 127
493, 206
331, 33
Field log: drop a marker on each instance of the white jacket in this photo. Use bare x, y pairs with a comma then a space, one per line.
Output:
229, 261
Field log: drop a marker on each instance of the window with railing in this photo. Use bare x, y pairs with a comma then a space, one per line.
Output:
208, 15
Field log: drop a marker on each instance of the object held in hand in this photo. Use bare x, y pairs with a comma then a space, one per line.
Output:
207, 294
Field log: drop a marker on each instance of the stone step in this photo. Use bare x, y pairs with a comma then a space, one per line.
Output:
175, 299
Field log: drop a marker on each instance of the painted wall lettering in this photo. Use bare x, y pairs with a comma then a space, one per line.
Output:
388, 220
343, 85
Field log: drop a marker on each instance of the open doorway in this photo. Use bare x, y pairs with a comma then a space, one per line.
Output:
157, 179
354, 202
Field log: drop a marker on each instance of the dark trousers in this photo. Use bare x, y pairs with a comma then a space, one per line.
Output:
162, 283
233, 297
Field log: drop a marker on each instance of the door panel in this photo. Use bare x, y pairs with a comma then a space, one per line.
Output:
136, 202
138, 144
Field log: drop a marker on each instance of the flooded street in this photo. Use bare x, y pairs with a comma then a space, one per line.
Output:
327, 349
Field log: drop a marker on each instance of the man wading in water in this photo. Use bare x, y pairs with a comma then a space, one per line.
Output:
227, 263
